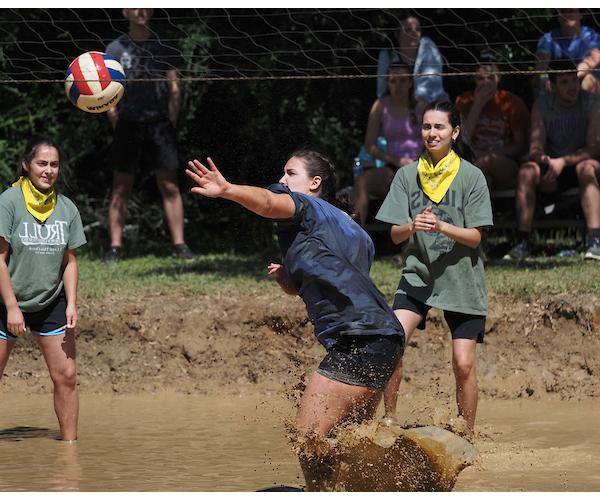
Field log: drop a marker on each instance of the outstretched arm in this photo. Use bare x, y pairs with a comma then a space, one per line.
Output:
212, 184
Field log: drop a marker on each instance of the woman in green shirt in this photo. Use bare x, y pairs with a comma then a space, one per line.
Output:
40, 230
441, 205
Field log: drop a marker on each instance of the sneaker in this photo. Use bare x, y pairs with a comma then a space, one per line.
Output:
593, 251
113, 255
519, 252
182, 251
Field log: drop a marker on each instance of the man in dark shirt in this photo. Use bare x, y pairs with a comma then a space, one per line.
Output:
144, 127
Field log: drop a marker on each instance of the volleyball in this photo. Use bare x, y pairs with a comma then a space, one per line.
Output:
95, 82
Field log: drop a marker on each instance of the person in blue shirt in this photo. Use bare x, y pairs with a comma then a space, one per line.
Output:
326, 259
580, 44
422, 56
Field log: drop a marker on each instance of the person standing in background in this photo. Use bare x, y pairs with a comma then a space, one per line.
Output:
144, 128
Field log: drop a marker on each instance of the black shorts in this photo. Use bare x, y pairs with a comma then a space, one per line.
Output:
48, 322
462, 326
138, 145
565, 181
366, 360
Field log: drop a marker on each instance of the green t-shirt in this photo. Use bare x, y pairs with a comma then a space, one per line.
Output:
439, 271
37, 250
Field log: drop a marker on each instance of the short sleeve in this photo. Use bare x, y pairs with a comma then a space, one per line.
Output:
299, 203
170, 57
463, 102
76, 234
7, 215
478, 206
544, 45
395, 207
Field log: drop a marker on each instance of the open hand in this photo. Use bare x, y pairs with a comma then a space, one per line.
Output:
209, 183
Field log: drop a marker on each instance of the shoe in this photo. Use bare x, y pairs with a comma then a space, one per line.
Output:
183, 252
113, 255
593, 251
519, 252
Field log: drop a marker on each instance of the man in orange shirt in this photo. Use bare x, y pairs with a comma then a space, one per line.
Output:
496, 123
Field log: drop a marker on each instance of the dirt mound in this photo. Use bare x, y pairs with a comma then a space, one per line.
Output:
189, 343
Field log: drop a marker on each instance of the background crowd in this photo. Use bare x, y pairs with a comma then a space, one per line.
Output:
530, 133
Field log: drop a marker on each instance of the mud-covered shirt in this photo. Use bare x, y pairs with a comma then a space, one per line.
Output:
441, 272
37, 249
147, 59
328, 257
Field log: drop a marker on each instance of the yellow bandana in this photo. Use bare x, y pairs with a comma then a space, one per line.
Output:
40, 205
436, 179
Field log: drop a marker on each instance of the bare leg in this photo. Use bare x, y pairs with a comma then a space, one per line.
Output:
325, 404
588, 173
409, 321
527, 181
122, 186
373, 182
172, 203
59, 353
463, 363
5, 348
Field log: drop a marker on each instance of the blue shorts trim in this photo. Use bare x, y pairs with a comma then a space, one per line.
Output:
52, 333
7, 336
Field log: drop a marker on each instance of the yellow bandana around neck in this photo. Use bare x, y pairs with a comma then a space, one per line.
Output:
40, 205
436, 179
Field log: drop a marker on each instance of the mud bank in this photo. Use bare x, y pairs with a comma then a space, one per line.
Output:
549, 348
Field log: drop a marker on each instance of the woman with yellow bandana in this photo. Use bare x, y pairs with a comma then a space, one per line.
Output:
441, 205
39, 232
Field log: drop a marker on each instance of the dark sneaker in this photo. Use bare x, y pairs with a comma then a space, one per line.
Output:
519, 252
182, 251
593, 251
113, 255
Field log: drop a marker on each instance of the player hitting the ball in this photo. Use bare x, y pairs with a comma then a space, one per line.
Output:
326, 259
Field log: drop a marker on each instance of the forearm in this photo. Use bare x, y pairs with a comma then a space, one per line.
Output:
578, 156
260, 201
467, 236
401, 233
373, 150
70, 281
287, 286
472, 119
6, 288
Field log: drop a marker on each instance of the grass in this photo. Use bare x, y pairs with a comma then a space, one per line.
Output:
246, 274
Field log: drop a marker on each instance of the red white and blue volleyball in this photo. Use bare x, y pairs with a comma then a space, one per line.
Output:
95, 82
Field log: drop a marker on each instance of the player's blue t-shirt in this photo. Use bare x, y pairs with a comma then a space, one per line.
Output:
328, 257
557, 46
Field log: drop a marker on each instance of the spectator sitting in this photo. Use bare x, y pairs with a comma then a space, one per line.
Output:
496, 122
392, 116
565, 142
573, 41
420, 54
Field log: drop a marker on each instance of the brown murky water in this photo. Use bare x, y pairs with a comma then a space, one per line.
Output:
173, 442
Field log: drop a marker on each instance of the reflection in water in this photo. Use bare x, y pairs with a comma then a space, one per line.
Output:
166, 442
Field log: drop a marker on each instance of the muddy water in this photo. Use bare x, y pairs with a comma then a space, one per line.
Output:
193, 443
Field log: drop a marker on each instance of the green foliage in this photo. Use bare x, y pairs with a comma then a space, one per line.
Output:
248, 127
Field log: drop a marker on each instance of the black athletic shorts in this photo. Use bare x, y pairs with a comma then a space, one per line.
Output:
48, 322
462, 326
138, 146
365, 360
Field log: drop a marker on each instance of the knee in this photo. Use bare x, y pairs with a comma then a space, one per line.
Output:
168, 189
527, 175
587, 171
66, 377
464, 367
